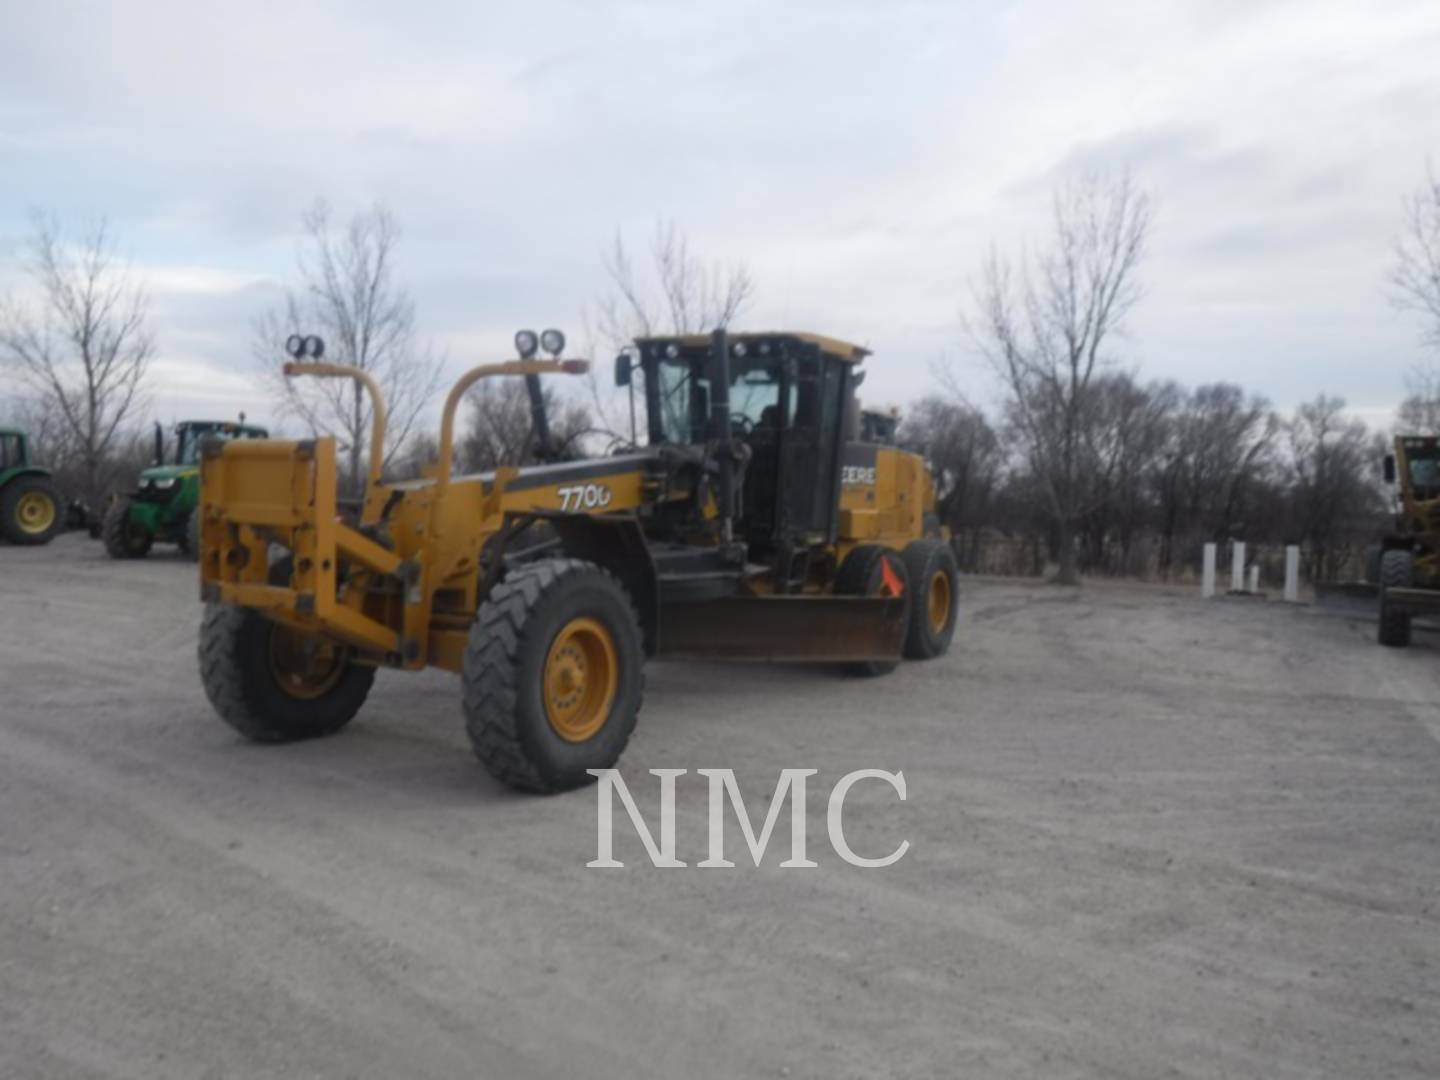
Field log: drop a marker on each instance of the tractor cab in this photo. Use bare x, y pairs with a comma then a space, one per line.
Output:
1415, 466
14, 450
767, 411
190, 434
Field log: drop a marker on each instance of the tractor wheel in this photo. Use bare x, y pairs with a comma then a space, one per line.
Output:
190, 536
30, 511
863, 573
1397, 569
123, 540
935, 602
554, 675
273, 684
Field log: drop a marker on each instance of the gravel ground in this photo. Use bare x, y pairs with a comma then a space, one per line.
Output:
1150, 837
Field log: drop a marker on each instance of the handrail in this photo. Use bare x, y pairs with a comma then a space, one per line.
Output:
446, 465
377, 408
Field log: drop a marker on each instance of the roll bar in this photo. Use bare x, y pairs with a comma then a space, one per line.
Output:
377, 406
445, 466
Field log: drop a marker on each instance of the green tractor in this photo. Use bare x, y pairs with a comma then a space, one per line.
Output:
162, 508
30, 507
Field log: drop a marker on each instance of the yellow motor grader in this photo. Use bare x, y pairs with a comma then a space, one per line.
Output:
749, 522
1409, 555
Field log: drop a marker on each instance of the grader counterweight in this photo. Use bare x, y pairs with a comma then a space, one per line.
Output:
751, 524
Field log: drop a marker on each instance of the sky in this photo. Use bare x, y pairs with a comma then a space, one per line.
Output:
859, 158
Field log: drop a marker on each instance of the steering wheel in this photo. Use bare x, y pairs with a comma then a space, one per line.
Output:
743, 422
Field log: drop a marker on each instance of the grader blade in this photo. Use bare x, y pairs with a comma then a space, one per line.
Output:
786, 628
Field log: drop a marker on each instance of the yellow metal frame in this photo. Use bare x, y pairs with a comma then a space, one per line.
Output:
259, 492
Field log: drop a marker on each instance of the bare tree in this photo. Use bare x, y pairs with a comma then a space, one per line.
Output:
501, 431
1419, 413
965, 458
1126, 425
1208, 473
674, 292
83, 343
1044, 325
1415, 273
1335, 498
350, 297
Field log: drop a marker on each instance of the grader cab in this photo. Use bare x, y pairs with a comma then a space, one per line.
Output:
750, 525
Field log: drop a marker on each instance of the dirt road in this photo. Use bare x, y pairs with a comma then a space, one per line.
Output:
1150, 836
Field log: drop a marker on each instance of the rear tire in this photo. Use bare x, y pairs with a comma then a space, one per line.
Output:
1397, 568
30, 511
190, 536
863, 574
935, 598
554, 675
239, 670
122, 539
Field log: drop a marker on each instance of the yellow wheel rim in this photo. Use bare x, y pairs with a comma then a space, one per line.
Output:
938, 601
35, 512
581, 678
303, 666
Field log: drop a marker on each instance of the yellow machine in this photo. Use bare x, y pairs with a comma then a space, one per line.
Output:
1409, 554
750, 524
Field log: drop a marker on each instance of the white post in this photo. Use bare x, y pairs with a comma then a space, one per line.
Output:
1207, 576
1292, 574
1237, 567
1254, 577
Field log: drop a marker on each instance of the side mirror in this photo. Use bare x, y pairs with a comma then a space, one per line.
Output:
1389, 468
622, 369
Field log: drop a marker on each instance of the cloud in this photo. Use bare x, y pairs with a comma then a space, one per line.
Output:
860, 157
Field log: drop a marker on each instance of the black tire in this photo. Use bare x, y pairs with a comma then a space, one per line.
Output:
925, 561
122, 539
190, 536
240, 681
504, 700
29, 490
1397, 568
863, 574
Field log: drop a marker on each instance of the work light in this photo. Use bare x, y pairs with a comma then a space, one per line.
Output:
295, 346
314, 347
553, 342
526, 343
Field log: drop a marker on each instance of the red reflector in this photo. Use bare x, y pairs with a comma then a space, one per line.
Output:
890, 583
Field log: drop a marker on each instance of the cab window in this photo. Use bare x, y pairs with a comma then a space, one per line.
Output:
1424, 472
755, 397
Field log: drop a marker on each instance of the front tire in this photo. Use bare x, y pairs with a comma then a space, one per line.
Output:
554, 675
30, 511
935, 598
874, 570
1397, 568
123, 539
273, 684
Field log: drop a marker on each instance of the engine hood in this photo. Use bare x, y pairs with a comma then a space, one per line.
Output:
166, 472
